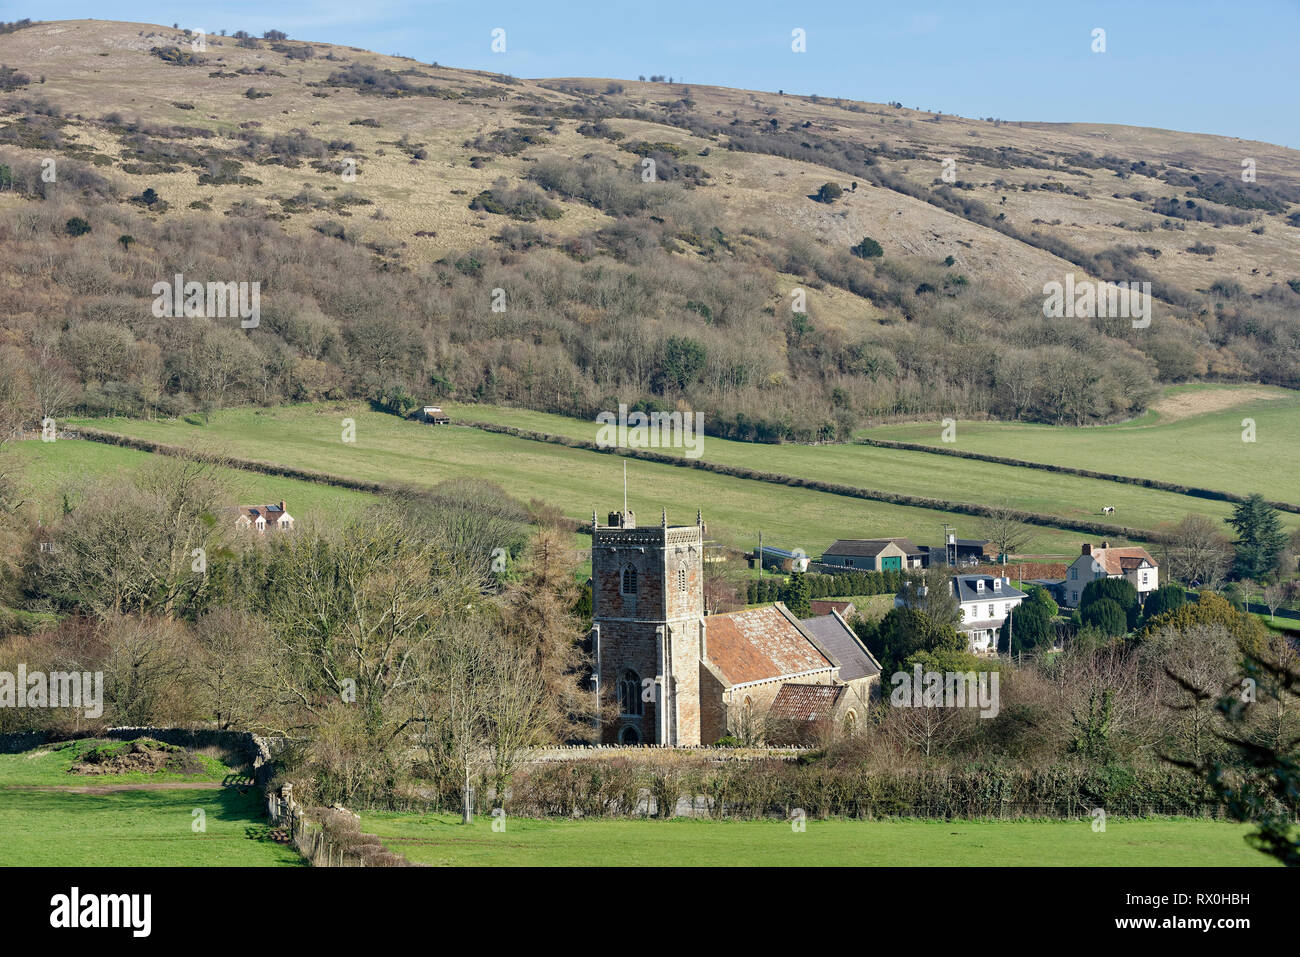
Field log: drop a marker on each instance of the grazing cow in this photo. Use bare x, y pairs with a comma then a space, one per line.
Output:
1108, 510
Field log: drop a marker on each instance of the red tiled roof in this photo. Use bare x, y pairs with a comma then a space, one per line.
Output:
271, 513
760, 644
805, 702
824, 606
1117, 561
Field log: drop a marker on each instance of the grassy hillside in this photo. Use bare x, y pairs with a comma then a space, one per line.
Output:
48, 469
498, 243
1204, 448
388, 449
965, 480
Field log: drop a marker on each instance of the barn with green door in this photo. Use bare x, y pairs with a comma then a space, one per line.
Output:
873, 554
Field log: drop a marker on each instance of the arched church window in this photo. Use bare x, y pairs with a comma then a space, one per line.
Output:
627, 586
629, 694
851, 723
629, 735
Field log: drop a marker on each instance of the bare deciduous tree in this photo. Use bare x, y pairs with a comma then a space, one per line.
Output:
1197, 550
1004, 528
140, 544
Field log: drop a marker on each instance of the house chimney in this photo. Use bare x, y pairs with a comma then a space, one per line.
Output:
1087, 548
282, 505
1105, 544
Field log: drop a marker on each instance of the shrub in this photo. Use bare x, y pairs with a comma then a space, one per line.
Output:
1118, 590
1106, 615
829, 193
76, 226
524, 202
867, 249
1168, 597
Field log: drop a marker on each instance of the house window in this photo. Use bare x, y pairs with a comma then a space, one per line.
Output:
1144, 578
1074, 598
1074, 573
681, 579
848, 562
628, 584
992, 611
629, 695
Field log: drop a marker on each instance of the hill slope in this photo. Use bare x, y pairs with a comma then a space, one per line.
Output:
499, 241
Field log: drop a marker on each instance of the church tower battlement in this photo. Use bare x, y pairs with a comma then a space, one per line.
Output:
648, 627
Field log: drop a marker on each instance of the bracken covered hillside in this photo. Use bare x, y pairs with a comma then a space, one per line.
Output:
473, 191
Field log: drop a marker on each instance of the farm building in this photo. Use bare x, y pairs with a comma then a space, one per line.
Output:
780, 560
873, 555
433, 415
960, 552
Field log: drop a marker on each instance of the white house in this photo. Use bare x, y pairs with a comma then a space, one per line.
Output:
261, 517
986, 601
1132, 562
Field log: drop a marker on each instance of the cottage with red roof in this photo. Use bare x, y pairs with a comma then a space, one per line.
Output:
259, 518
1132, 562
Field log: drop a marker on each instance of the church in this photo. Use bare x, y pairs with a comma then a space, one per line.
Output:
683, 678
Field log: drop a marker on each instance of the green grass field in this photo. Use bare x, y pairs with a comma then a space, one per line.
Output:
441, 840
1204, 449
47, 467
392, 450
920, 473
48, 766
135, 826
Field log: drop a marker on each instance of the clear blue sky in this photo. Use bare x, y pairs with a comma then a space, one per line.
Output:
1231, 68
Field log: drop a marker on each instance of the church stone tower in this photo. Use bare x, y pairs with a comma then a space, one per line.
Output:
648, 627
